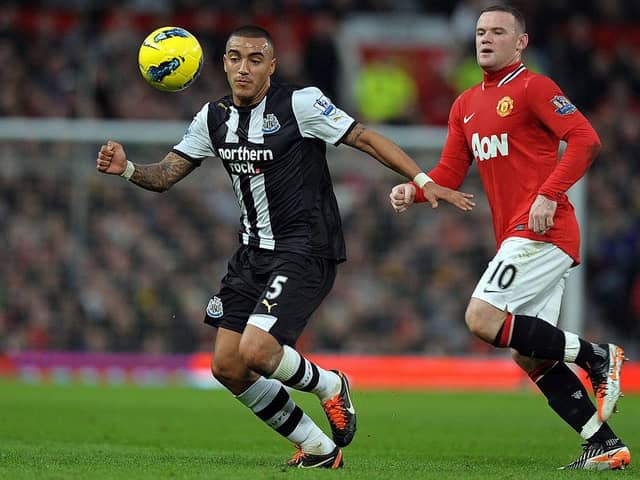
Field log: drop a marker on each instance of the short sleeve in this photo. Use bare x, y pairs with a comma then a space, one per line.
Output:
196, 142
318, 117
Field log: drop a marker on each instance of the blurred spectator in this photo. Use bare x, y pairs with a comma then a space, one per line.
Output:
320, 55
147, 278
386, 93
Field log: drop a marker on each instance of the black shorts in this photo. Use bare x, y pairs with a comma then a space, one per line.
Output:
275, 291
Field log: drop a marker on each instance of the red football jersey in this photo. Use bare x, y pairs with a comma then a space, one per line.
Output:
511, 124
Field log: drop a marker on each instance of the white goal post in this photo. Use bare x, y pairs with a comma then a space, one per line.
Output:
168, 132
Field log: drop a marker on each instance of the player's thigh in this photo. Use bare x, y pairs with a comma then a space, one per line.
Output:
229, 309
525, 277
240, 289
296, 287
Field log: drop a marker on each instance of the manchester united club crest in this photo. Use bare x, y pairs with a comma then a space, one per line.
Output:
505, 106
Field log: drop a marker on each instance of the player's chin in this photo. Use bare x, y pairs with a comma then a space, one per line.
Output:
244, 87
486, 60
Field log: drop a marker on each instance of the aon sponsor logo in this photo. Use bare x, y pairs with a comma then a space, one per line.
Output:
488, 147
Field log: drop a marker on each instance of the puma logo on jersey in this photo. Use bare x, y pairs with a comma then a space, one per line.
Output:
488, 147
269, 305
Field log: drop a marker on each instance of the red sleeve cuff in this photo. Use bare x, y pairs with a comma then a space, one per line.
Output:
419, 198
555, 196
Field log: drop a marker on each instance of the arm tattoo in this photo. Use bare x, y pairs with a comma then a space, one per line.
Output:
354, 135
159, 177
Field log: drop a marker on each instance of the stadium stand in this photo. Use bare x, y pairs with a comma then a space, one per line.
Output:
137, 278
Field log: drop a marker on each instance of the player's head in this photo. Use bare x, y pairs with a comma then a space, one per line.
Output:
249, 61
500, 37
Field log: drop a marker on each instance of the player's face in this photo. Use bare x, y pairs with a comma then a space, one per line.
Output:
499, 41
249, 63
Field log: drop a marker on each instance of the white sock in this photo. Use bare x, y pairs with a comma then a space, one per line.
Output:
571, 347
269, 400
590, 428
297, 372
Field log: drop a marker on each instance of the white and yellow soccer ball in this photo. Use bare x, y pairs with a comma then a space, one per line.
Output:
170, 59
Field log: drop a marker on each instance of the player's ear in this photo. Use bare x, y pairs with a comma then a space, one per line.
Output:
523, 41
224, 62
272, 67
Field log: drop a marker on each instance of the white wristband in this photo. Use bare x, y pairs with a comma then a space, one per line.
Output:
129, 170
422, 179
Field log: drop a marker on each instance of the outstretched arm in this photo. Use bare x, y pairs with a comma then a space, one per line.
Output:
157, 177
382, 149
393, 157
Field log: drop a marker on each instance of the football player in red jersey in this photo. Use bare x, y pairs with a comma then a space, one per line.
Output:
511, 125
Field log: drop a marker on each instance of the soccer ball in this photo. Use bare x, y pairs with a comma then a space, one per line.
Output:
170, 59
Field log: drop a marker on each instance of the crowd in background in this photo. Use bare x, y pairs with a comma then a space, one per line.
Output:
134, 272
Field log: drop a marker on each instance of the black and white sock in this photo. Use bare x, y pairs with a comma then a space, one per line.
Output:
297, 372
533, 337
271, 402
569, 399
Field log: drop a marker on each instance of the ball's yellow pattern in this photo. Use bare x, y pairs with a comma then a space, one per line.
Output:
170, 58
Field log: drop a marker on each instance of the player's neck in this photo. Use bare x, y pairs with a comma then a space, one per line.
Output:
251, 102
494, 77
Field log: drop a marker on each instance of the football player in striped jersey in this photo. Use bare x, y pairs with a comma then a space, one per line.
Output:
271, 139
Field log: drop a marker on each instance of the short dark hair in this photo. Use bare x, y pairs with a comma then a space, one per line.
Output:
517, 14
252, 31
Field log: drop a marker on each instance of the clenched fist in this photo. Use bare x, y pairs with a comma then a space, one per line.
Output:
111, 158
403, 195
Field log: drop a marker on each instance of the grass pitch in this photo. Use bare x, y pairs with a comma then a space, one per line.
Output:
81, 432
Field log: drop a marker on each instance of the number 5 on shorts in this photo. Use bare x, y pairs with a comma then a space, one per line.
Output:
275, 289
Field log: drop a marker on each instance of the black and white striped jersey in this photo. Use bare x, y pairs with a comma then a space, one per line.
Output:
274, 153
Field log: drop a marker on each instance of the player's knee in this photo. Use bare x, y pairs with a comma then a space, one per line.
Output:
259, 351
232, 374
475, 320
253, 360
483, 320
222, 370
256, 358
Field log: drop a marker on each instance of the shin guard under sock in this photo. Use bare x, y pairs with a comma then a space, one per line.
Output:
531, 337
569, 399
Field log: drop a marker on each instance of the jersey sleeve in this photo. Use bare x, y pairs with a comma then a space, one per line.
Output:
318, 117
456, 158
196, 142
558, 114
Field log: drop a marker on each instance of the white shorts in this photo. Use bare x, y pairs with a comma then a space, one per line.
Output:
526, 278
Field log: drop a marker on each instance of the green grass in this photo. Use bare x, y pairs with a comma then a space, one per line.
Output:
83, 432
